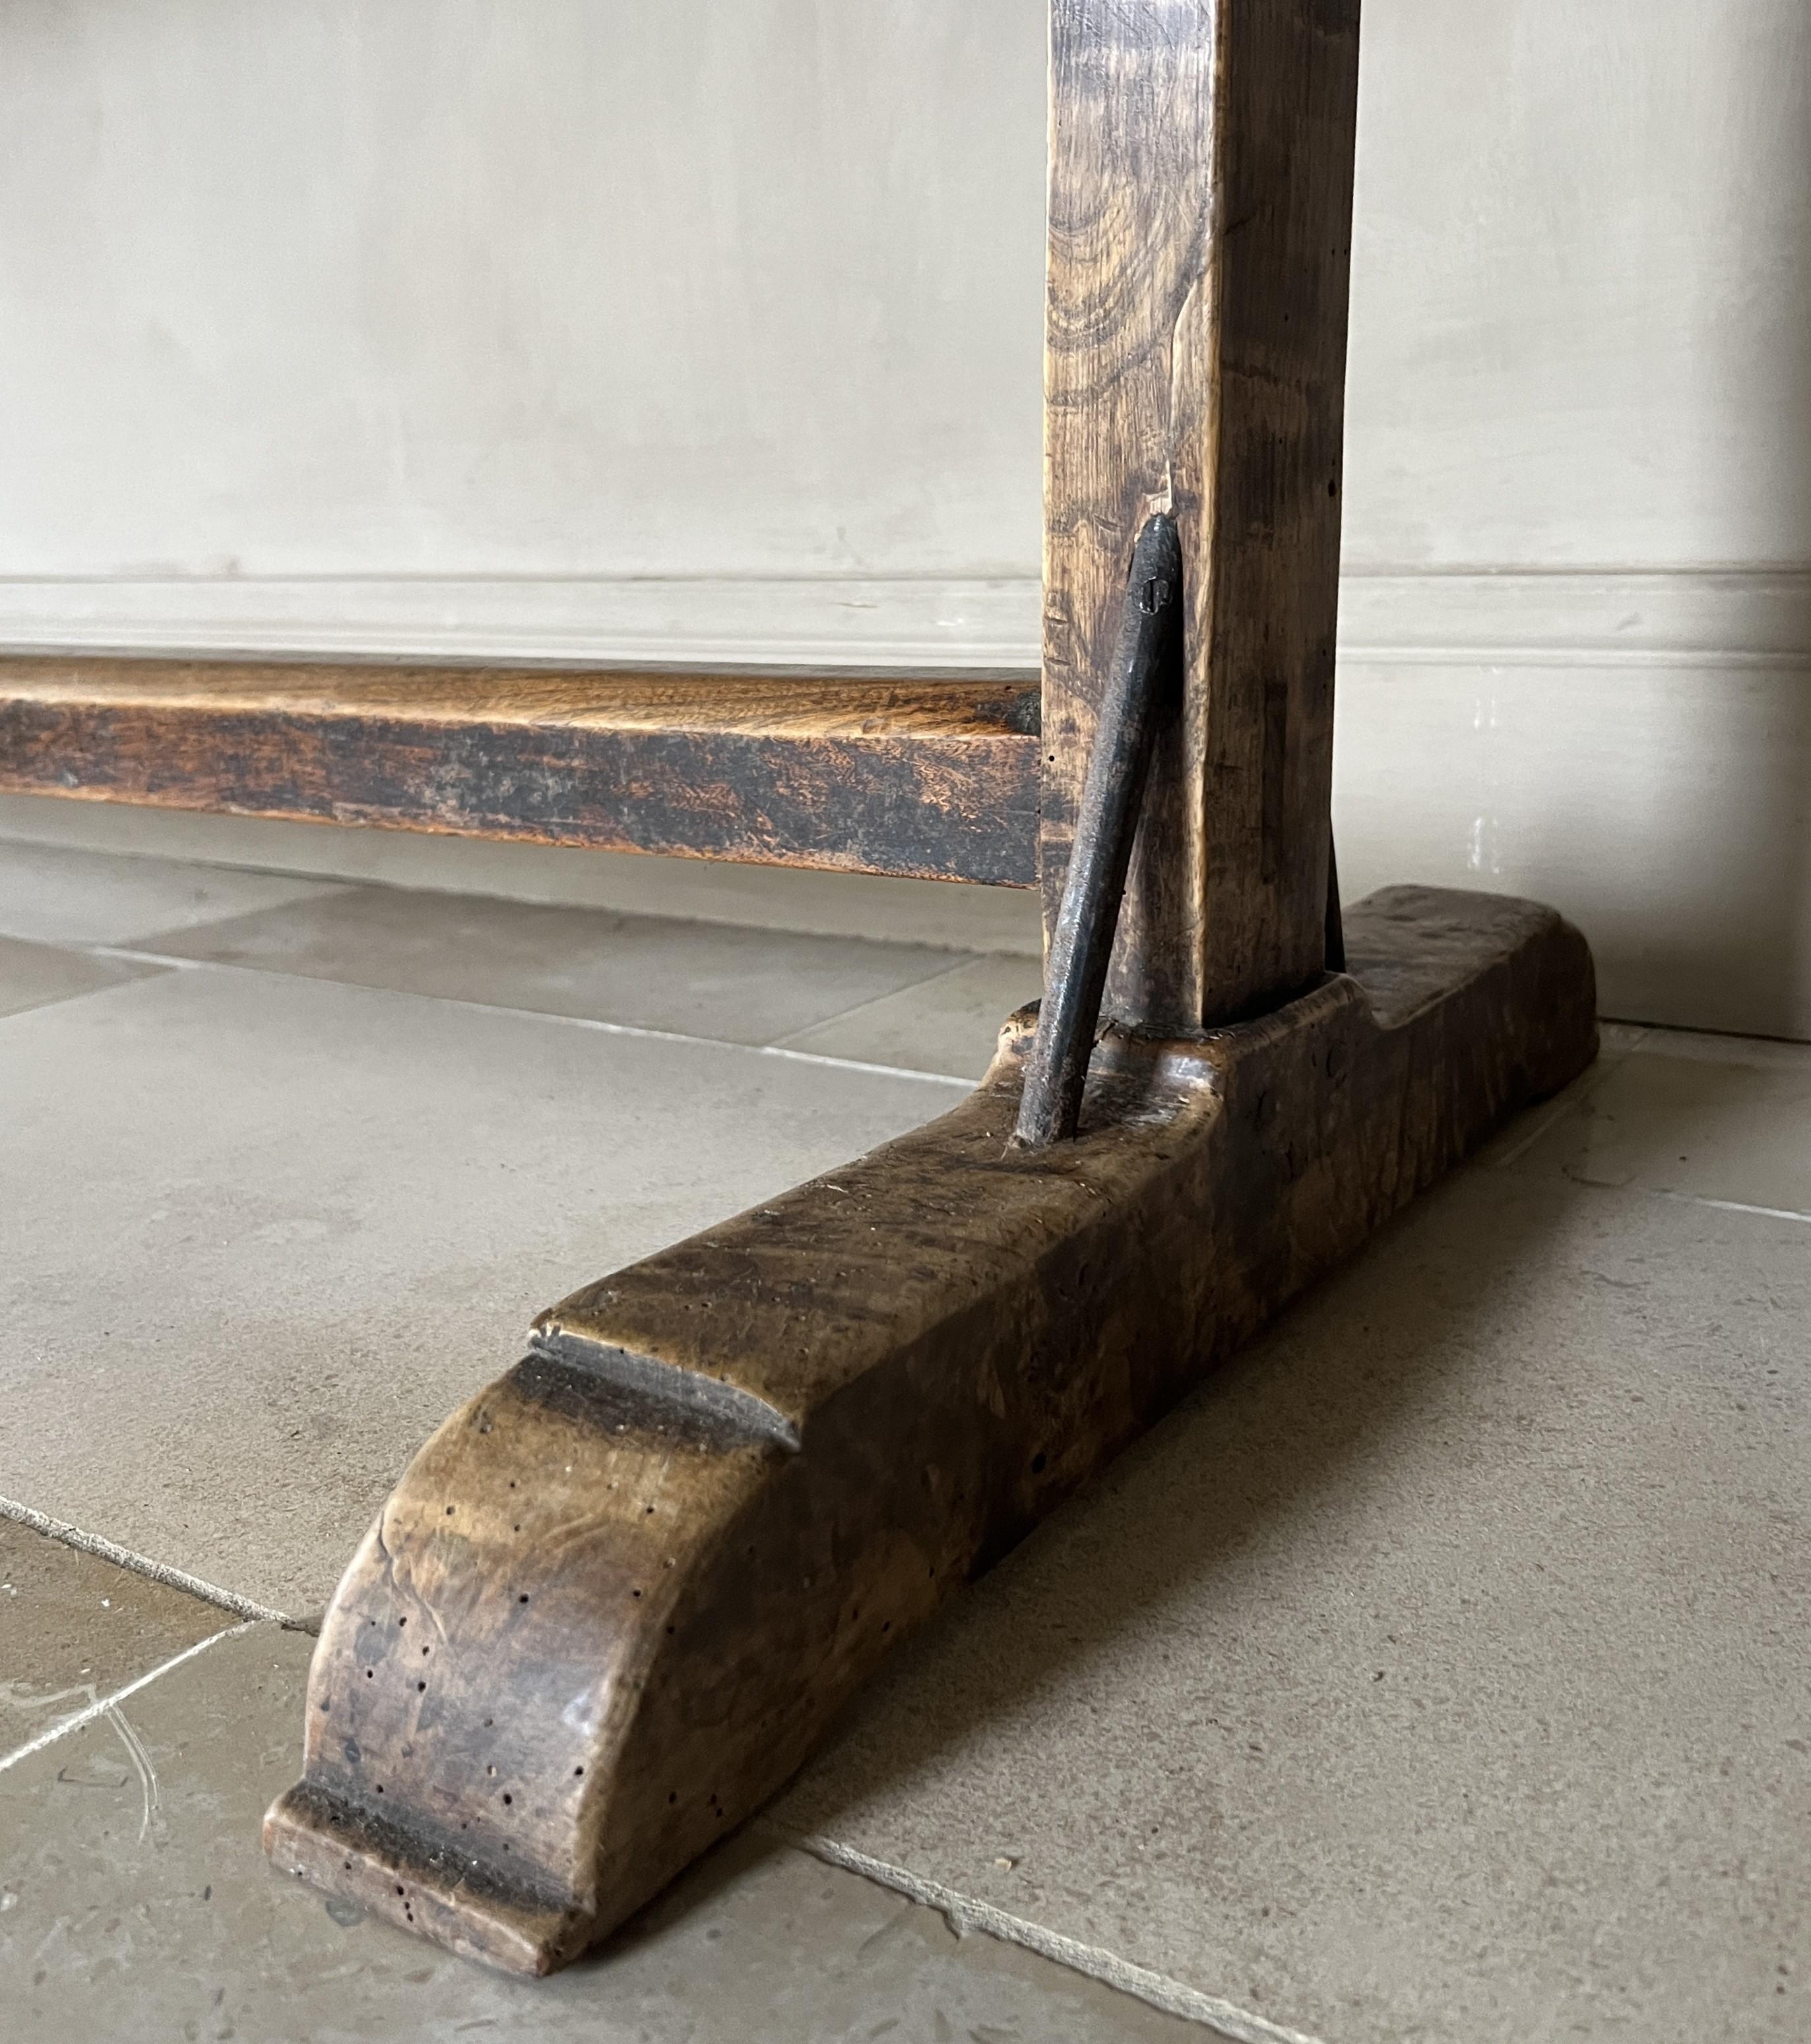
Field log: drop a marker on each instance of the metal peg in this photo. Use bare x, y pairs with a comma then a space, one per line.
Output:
1081, 943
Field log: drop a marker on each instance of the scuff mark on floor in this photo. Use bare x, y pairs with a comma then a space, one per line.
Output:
141, 1760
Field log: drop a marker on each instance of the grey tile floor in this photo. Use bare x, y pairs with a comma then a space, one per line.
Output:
1437, 1672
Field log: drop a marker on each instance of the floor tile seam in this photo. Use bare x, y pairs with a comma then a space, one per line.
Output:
12, 839
963, 955
334, 883
1664, 1029
71, 947
966, 1912
68, 1000
339, 883
1601, 1069
166, 1573
630, 1029
1727, 1206
104, 1706
1796, 1214
875, 1001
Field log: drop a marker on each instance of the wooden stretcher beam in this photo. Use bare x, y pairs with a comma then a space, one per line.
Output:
931, 777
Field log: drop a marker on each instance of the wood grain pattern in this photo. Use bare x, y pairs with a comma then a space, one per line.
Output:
616, 1600
930, 777
1200, 168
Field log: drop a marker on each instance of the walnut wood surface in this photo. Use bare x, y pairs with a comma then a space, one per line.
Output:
616, 1598
1201, 168
931, 777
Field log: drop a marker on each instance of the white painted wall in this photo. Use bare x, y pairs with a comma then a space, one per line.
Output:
1577, 624
588, 328
303, 304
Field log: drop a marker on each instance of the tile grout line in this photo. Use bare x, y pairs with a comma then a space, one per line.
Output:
1725, 1206
778, 1049
844, 1064
331, 883
1600, 1075
1664, 1029
141, 1565
1601, 1069
966, 1912
104, 1706
1561, 1109
875, 1001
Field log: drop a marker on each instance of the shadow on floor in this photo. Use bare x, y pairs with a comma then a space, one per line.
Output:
1243, 1461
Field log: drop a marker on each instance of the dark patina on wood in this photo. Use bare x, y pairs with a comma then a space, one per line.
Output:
1200, 177
615, 1600
935, 779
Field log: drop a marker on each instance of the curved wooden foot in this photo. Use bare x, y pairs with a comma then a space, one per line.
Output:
615, 1600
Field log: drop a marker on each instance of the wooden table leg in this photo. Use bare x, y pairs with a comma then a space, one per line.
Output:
615, 1600
1201, 181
